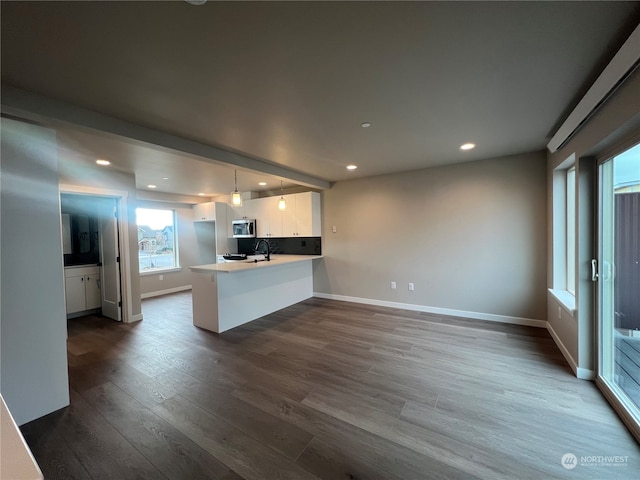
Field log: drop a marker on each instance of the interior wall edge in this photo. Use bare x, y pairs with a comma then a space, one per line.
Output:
563, 349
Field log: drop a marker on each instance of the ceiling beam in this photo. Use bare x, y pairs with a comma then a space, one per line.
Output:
16, 101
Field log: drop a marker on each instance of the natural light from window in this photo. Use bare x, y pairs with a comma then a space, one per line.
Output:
156, 239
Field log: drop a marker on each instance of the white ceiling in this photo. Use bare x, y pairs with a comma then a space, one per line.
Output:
289, 83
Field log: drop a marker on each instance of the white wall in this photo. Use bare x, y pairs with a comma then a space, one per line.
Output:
33, 357
471, 237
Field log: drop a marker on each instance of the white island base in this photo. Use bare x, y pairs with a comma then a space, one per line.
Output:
227, 295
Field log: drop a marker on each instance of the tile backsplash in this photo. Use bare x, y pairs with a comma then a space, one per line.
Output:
289, 245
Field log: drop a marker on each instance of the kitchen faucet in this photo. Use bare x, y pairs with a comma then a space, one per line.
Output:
268, 257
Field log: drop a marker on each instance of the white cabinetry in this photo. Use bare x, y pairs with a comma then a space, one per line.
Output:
301, 218
204, 212
268, 217
82, 288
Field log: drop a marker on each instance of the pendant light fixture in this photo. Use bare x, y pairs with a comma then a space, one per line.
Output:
236, 198
282, 205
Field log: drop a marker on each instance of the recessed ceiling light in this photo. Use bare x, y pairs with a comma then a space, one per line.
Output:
165, 178
262, 184
152, 186
365, 124
467, 146
103, 162
351, 167
201, 194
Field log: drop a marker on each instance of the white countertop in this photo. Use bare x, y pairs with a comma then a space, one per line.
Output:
241, 266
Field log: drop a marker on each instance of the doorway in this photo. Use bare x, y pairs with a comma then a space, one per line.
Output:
618, 276
92, 245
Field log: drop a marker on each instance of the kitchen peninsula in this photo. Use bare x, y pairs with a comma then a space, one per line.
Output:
226, 295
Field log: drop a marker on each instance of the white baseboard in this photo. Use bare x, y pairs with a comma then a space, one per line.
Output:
529, 322
585, 374
165, 292
581, 373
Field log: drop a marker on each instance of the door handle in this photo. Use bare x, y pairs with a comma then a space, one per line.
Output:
594, 270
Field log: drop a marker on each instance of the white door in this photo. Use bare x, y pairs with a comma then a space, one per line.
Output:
110, 252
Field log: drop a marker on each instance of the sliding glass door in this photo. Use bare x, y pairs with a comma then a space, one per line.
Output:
618, 267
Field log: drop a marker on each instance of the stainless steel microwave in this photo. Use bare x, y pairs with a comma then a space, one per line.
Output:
244, 228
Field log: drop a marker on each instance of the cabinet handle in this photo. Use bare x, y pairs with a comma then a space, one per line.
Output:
82, 279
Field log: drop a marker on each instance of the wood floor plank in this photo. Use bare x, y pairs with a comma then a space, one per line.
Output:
103, 452
330, 463
164, 446
56, 457
356, 444
243, 454
455, 452
280, 436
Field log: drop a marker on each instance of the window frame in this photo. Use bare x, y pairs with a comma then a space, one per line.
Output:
570, 230
564, 231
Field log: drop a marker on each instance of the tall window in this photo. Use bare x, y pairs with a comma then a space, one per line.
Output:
157, 239
564, 233
570, 258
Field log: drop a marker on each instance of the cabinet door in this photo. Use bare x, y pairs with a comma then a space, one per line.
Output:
240, 212
289, 217
92, 291
304, 214
74, 293
267, 215
204, 212
274, 214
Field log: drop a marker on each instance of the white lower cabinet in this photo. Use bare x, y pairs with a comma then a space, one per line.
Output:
82, 288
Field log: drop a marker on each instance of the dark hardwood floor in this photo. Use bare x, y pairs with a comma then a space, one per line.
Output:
323, 390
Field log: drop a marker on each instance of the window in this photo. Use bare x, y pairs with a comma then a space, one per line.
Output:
564, 233
157, 239
570, 256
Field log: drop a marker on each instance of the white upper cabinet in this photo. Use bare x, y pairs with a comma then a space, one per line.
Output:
301, 218
268, 217
204, 212
236, 213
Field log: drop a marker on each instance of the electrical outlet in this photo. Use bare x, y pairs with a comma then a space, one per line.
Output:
411, 287
559, 313
161, 277
393, 285
334, 229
